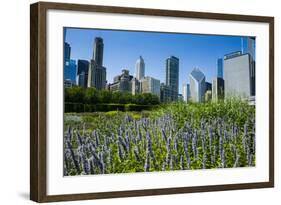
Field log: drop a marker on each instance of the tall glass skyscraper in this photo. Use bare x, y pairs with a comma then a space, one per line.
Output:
69, 67
97, 73
140, 68
98, 51
220, 68
186, 92
248, 45
70, 70
82, 73
172, 76
67, 51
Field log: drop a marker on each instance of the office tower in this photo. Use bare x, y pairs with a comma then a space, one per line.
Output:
248, 45
69, 65
122, 83
150, 85
67, 51
81, 79
82, 66
82, 73
70, 71
197, 85
232, 55
217, 89
220, 68
140, 68
186, 92
97, 73
165, 93
239, 76
98, 51
136, 86
208, 86
172, 76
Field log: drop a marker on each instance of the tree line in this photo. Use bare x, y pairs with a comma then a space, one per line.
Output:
93, 96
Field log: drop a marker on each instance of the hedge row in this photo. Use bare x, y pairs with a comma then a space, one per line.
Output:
80, 107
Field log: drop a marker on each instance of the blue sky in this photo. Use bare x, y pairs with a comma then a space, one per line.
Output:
122, 49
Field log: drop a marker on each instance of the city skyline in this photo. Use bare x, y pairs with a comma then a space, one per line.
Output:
120, 47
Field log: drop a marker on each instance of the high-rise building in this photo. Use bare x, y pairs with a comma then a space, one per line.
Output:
240, 68
220, 68
172, 76
217, 89
69, 65
150, 85
208, 86
197, 85
165, 93
97, 73
98, 51
67, 51
136, 86
81, 79
232, 55
82, 66
70, 70
122, 83
140, 68
186, 92
248, 45
82, 73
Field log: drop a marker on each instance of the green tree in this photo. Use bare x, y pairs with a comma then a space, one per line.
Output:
91, 96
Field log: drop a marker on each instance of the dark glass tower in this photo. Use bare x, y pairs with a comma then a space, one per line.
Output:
97, 73
172, 76
220, 68
67, 50
98, 51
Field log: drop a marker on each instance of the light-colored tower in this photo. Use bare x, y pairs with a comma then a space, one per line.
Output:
197, 85
239, 68
186, 92
140, 68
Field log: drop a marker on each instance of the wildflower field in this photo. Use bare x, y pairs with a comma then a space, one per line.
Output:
176, 136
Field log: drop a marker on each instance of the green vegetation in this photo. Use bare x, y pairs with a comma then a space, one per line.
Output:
94, 96
175, 136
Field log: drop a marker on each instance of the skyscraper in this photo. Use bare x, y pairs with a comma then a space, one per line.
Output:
97, 73
82, 73
67, 51
220, 68
98, 51
150, 85
239, 68
165, 93
248, 45
70, 70
217, 89
140, 68
197, 85
172, 76
122, 83
186, 92
69, 65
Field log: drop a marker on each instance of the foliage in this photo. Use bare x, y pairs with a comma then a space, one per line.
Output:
174, 136
79, 107
93, 96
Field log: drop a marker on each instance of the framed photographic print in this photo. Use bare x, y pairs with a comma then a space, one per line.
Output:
135, 102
